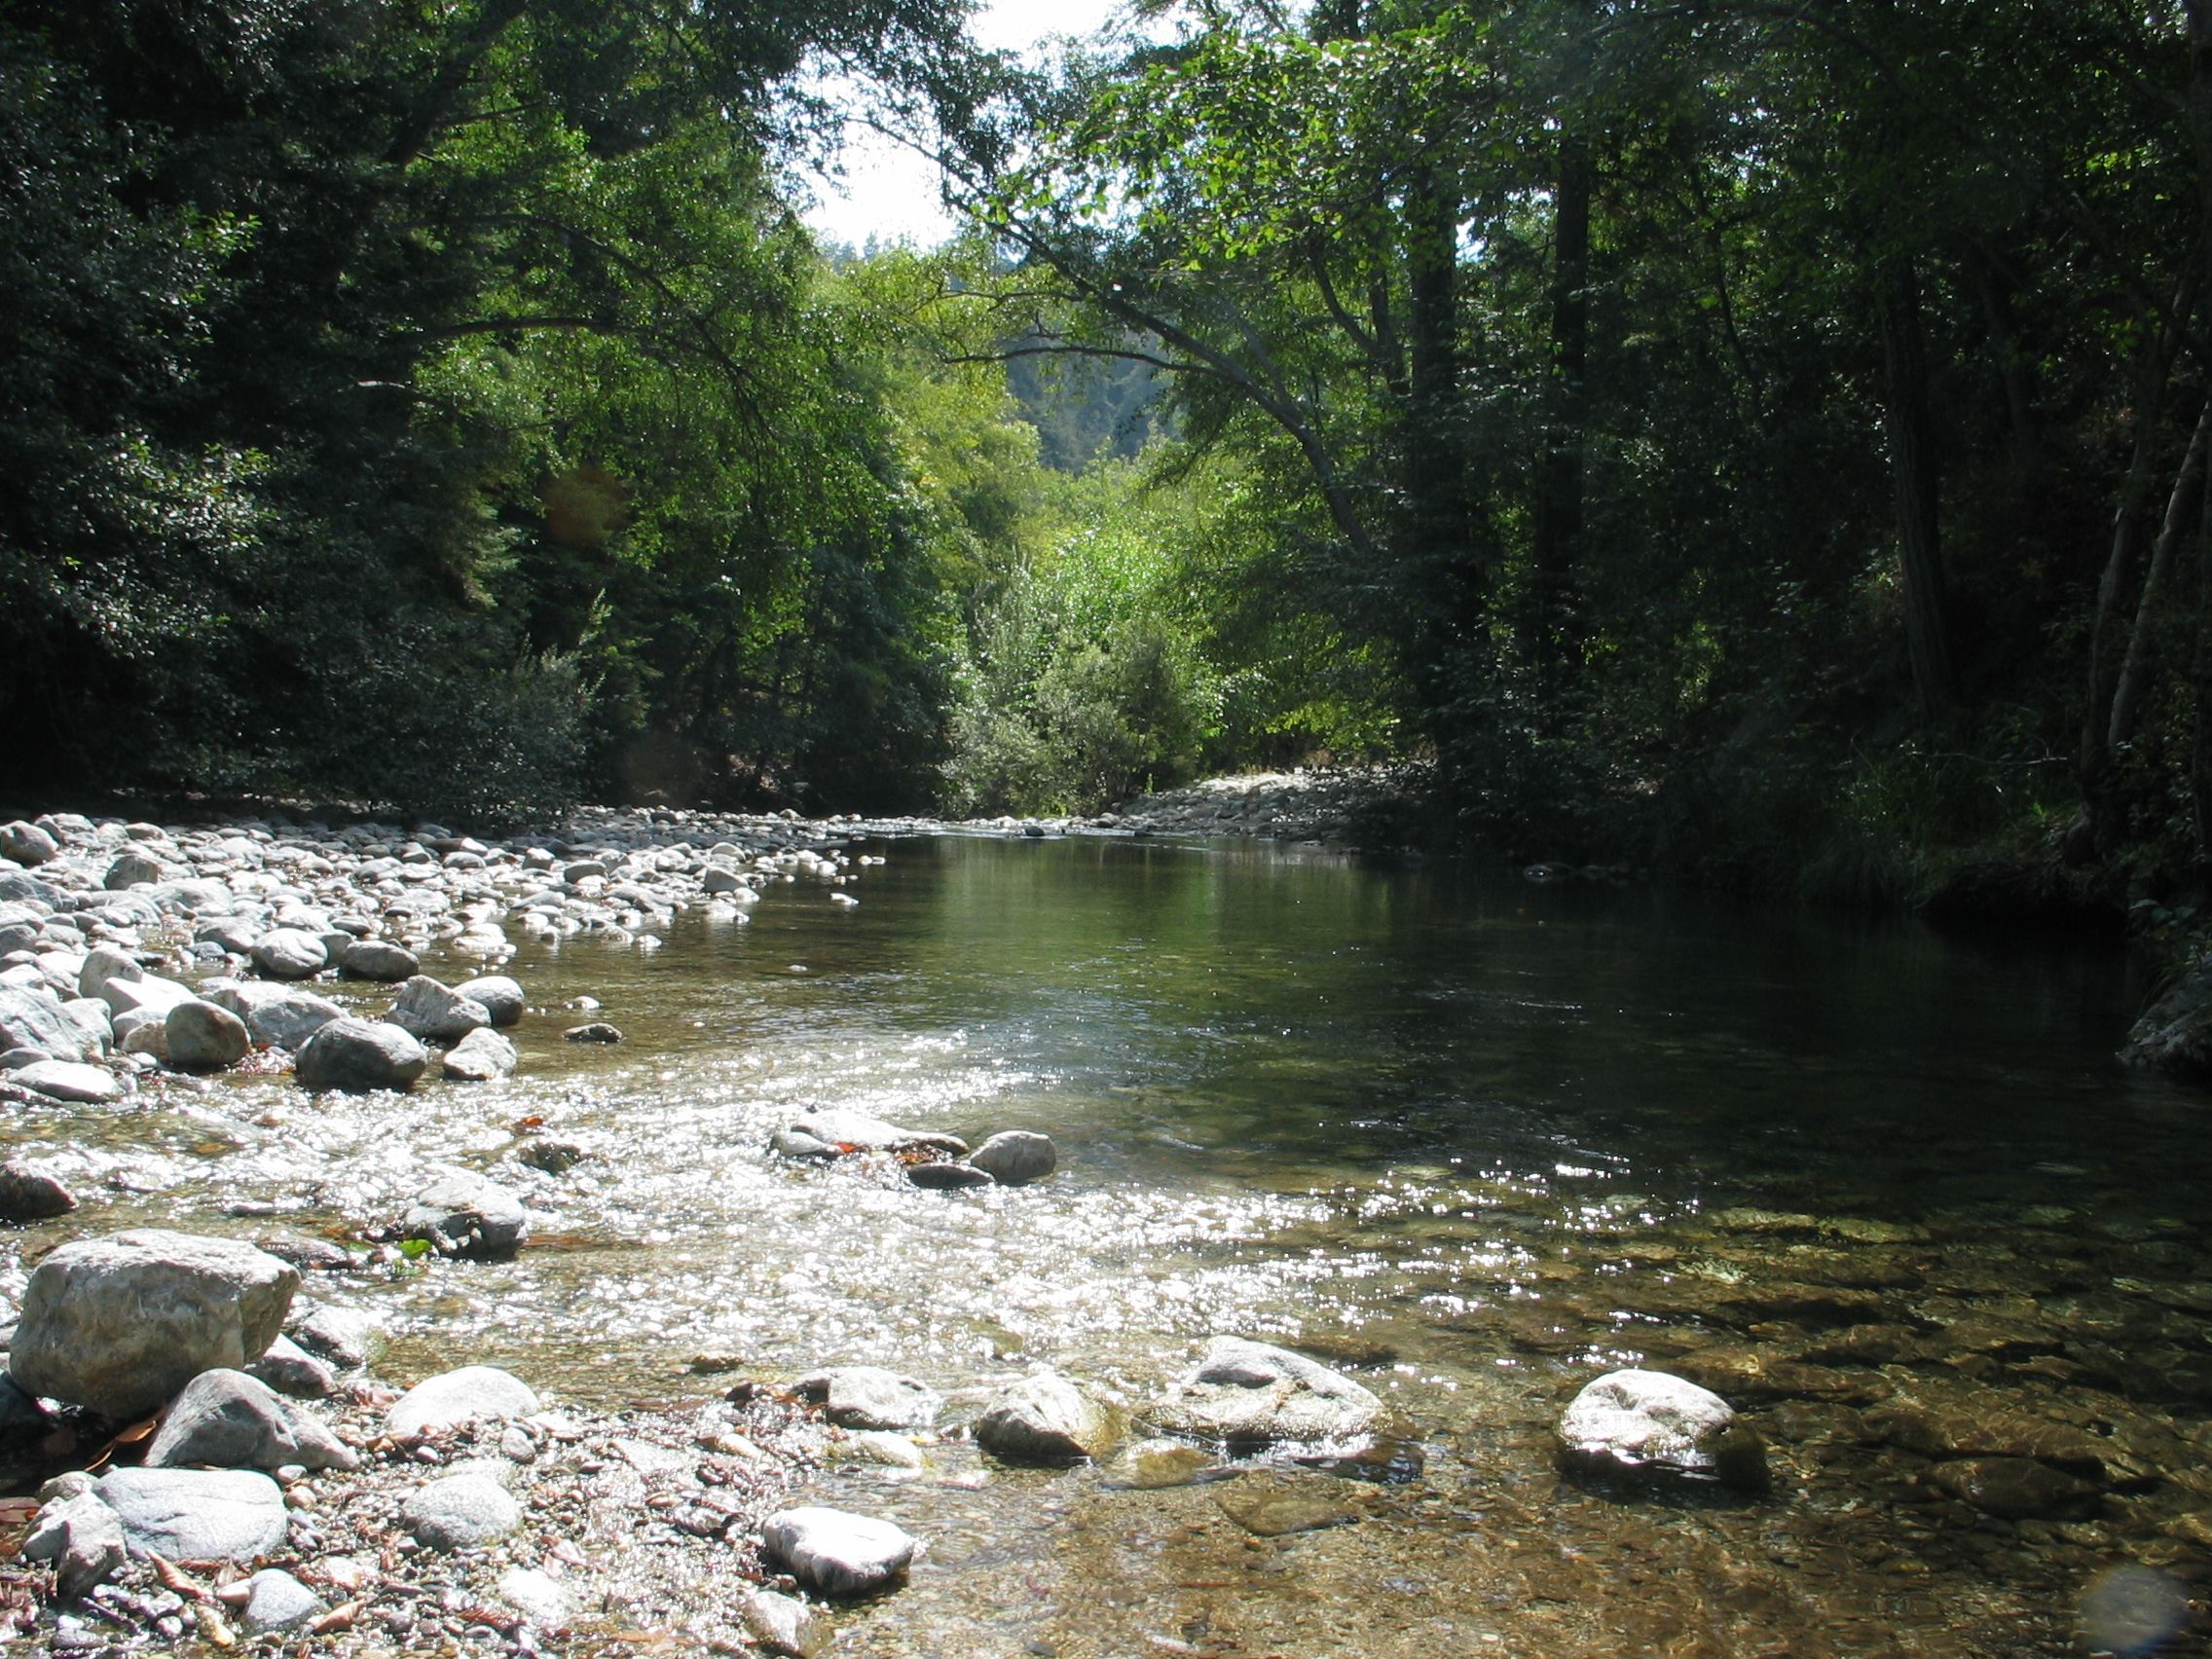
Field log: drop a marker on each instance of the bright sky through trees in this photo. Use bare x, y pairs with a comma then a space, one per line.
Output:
889, 193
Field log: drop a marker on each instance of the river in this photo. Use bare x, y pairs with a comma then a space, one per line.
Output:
1472, 1140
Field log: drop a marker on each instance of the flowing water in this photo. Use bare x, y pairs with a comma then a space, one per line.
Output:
1471, 1140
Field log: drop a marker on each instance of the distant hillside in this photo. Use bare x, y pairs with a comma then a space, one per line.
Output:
1085, 408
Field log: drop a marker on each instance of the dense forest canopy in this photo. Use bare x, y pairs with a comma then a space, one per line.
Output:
1765, 439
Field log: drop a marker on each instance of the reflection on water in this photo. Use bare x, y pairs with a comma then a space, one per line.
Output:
1888, 1192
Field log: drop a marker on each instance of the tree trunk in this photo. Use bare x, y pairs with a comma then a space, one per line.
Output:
2134, 671
1560, 477
1439, 544
1914, 473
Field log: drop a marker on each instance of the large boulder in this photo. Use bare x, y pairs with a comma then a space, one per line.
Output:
31, 1019
203, 1037
2175, 1033
358, 1055
71, 1081
27, 844
283, 1017
1248, 1393
290, 953
227, 1420
1046, 1419
501, 996
435, 1012
1649, 1423
462, 1214
378, 959
834, 1553
120, 1324
197, 1514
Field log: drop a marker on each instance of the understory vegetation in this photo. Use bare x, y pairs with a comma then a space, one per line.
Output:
1767, 443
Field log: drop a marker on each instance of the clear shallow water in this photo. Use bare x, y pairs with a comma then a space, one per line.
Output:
1477, 1139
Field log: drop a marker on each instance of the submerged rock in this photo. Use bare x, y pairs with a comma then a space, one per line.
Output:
1277, 1505
1249, 1393
1646, 1422
120, 1324
834, 1553
2018, 1488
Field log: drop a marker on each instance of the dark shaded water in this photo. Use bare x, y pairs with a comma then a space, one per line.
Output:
1479, 1140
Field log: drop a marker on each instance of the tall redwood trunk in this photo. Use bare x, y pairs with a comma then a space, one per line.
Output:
1915, 475
1559, 475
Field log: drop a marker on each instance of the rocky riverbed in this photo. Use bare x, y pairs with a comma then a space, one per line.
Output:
1960, 1432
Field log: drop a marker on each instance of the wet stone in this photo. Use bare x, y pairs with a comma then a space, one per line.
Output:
358, 1055
2018, 1488
461, 1512
1046, 1419
786, 1625
1016, 1157
197, 1514
466, 1395
867, 1396
276, 1601
1275, 1506
1249, 1393
31, 1195
596, 1031
947, 1177
462, 1214
69, 1080
1648, 1422
834, 1553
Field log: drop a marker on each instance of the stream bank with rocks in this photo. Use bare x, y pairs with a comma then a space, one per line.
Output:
2037, 1426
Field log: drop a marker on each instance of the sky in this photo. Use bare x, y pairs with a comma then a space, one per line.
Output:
889, 193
